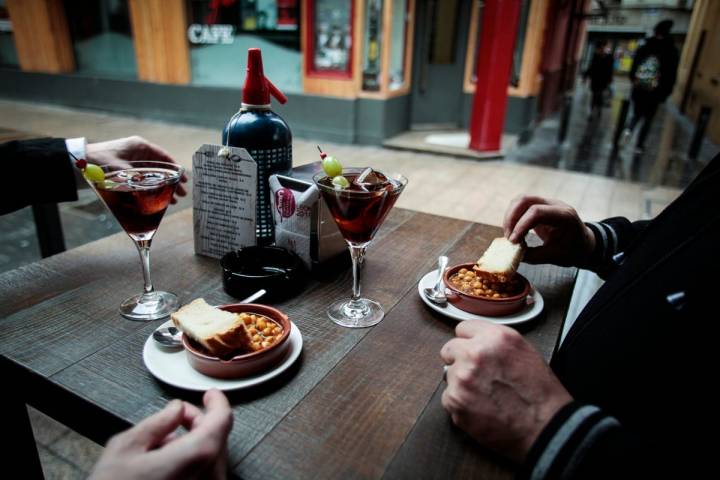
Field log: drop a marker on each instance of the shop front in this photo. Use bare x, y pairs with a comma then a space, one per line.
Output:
357, 71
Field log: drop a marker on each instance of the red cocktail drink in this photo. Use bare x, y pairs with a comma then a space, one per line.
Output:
359, 204
138, 197
359, 210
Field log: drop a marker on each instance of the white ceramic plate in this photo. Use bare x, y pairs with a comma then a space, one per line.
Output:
526, 314
172, 367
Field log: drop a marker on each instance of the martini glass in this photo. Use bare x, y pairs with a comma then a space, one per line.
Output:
138, 193
359, 210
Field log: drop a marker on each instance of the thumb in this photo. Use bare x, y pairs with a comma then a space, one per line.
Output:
150, 433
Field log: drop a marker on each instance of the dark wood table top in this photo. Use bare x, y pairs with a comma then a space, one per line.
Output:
358, 403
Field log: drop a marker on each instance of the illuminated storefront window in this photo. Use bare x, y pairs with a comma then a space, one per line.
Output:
102, 37
399, 47
519, 43
331, 39
8, 57
220, 32
373, 45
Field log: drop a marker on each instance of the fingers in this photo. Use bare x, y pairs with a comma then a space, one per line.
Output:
535, 215
448, 352
455, 348
205, 444
471, 328
154, 152
517, 208
150, 432
218, 415
191, 415
212, 427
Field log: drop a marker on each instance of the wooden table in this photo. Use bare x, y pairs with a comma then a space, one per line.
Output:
358, 403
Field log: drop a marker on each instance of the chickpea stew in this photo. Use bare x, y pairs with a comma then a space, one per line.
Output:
263, 331
470, 283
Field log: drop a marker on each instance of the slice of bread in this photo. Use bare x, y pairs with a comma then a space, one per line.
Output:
219, 332
500, 261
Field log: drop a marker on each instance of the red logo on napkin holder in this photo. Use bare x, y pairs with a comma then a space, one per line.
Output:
285, 203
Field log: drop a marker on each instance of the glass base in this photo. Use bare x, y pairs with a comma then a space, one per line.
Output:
360, 313
149, 306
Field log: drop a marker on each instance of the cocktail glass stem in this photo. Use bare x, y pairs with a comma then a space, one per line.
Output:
151, 304
357, 312
357, 253
143, 247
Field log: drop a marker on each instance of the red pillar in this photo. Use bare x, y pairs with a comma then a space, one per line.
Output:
494, 61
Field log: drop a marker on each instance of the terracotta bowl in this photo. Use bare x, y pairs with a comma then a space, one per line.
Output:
246, 364
489, 307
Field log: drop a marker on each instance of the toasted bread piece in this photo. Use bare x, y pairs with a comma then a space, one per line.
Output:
219, 332
500, 261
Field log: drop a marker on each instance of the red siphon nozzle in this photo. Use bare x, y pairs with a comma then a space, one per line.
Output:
257, 88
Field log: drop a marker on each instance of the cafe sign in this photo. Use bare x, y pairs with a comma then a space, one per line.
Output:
211, 34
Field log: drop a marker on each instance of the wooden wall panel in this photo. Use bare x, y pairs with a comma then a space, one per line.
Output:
161, 45
689, 46
705, 88
42, 38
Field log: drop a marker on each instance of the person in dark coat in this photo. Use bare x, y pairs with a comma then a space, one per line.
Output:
46, 169
653, 76
631, 388
600, 74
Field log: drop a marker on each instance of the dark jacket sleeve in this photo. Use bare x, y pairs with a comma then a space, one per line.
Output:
612, 238
583, 442
40, 171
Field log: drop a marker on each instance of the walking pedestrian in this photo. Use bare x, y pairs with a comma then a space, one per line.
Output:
600, 74
653, 76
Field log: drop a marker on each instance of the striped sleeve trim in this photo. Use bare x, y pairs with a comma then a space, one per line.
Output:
600, 235
573, 432
558, 441
596, 431
607, 240
613, 236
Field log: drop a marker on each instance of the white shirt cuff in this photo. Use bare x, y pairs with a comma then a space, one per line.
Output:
76, 147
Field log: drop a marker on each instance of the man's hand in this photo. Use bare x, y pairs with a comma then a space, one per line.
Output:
122, 150
566, 239
500, 391
152, 450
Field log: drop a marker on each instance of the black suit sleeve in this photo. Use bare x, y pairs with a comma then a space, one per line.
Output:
40, 171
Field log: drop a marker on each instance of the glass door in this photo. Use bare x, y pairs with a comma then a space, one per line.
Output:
441, 40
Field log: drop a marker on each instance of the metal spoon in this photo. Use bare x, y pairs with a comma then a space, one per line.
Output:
437, 293
171, 337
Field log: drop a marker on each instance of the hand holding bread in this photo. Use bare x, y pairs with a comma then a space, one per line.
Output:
567, 241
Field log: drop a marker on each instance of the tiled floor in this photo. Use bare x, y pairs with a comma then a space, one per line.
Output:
577, 172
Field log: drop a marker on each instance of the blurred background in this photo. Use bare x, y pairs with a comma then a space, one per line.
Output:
610, 105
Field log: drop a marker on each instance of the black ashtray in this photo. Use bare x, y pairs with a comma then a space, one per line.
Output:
250, 269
